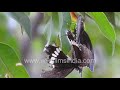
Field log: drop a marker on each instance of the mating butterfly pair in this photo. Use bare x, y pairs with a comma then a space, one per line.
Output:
82, 52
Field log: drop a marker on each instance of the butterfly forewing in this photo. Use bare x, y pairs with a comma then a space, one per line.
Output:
60, 63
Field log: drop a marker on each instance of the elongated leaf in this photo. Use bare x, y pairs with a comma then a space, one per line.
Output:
23, 20
66, 21
104, 26
57, 26
55, 20
9, 61
53, 28
47, 31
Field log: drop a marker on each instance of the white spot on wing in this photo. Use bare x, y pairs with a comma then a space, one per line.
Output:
74, 43
52, 58
53, 66
54, 55
51, 62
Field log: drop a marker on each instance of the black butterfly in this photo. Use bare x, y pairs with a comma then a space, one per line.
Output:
59, 61
82, 54
82, 47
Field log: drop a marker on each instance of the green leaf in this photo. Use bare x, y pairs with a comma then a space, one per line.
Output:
111, 17
86, 73
57, 42
8, 61
6, 37
66, 22
52, 28
56, 27
23, 20
47, 30
55, 21
104, 26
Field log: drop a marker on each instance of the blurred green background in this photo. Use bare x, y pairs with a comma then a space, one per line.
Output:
45, 30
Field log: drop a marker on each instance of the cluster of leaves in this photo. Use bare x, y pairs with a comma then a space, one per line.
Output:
55, 29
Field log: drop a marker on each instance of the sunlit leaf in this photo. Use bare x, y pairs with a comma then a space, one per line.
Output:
8, 60
66, 20
104, 26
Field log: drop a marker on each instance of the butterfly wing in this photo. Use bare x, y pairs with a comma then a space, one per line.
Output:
60, 69
83, 39
57, 73
82, 46
81, 36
